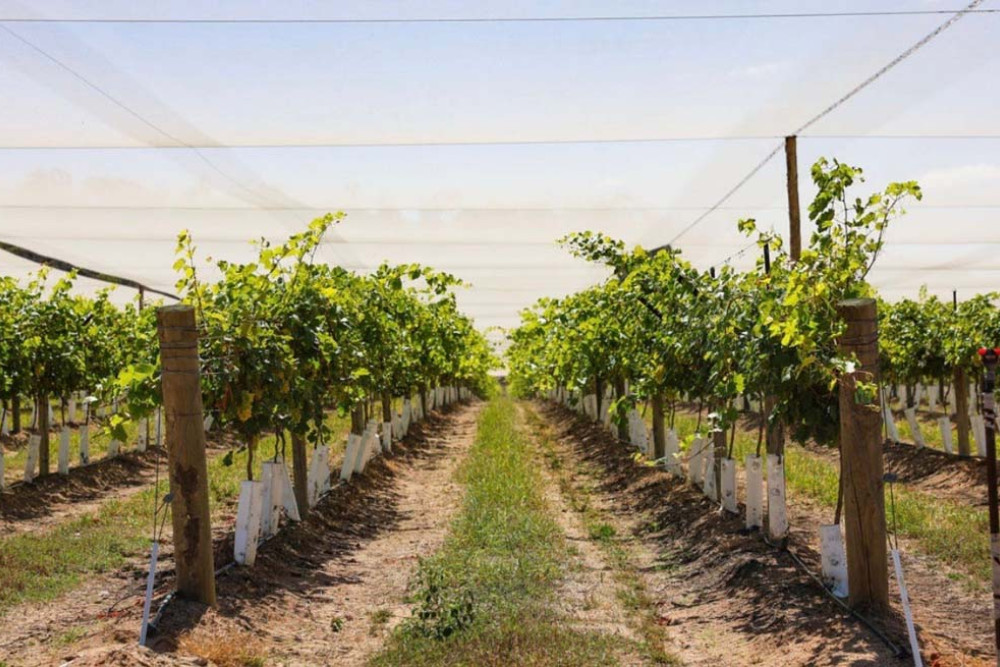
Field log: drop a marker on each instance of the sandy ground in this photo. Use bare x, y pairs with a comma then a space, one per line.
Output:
587, 597
325, 591
731, 599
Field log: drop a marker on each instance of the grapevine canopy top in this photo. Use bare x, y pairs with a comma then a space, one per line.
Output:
469, 137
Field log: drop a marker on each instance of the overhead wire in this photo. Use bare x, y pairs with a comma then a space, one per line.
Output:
484, 142
124, 107
492, 19
255, 198
970, 8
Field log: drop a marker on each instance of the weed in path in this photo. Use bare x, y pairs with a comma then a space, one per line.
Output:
576, 486
486, 598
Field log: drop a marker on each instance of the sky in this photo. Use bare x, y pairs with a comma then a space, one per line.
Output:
473, 146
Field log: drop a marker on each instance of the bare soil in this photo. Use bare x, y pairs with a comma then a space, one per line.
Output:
54, 499
587, 596
730, 598
324, 591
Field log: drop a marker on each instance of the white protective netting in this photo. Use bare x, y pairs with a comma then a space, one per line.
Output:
472, 146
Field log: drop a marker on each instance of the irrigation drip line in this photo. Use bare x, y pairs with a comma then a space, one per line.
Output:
223, 569
898, 651
970, 8
497, 19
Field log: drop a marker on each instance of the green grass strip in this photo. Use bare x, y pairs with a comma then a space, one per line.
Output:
43, 565
486, 598
951, 532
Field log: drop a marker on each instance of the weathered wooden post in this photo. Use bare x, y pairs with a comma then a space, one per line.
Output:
861, 452
186, 453
659, 429
794, 223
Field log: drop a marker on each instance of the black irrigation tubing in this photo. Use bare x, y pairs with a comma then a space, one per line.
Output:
898, 651
223, 569
231, 564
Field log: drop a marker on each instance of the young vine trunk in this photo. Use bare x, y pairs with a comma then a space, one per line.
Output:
300, 470
962, 412
42, 410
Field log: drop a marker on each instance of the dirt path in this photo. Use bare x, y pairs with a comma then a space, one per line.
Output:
588, 597
951, 611
331, 591
725, 597
324, 591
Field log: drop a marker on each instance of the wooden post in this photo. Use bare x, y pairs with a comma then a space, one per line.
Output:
186, 453
300, 473
861, 465
386, 406
42, 410
962, 420
794, 215
659, 431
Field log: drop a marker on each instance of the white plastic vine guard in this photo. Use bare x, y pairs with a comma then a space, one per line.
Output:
387, 437
696, 463
708, 479
834, 559
979, 433
248, 522
911, 420
890, 424
32, 461
319, 474
729, 486
673, 462
755, 493
84, 445
945, 425
777, 520
350, 455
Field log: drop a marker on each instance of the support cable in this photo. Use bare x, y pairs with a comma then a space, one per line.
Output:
970, 8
